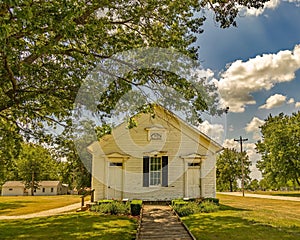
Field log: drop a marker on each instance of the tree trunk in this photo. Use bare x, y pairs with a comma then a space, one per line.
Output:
32, 183
230, 184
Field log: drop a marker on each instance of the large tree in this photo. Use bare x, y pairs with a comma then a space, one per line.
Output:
280, 149
48, 47
229, 169
33, 165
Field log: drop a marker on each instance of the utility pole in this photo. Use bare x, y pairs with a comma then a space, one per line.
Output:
241, 140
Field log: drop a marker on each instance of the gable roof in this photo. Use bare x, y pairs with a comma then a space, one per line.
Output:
13, 184
48, 183
193, 128
21, 184
211, 142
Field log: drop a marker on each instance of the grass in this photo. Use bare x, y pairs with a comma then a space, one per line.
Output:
248, 219
83, 225
279, 193
19, 205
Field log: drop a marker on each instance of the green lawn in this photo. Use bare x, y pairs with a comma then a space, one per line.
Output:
84, 225
279, 193
248, 219
12, 206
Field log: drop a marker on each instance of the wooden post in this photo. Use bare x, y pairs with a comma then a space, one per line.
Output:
82, 201
92, 195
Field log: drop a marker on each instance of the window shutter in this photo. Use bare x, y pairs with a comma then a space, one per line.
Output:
164, 171
145, 171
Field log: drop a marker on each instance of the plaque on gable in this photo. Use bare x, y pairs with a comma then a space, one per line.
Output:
156, 136
156, 133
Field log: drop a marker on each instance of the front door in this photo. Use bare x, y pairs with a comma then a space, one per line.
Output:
115, 180
193, 182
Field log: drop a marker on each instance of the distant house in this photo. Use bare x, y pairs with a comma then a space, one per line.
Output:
162, 158
46, 188
13, 188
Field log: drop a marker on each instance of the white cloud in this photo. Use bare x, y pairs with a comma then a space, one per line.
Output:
214, 131
253, 157
272, 4
291, 101
253, 127
230, 143
297, 104
276, 100
254, 124
241, 79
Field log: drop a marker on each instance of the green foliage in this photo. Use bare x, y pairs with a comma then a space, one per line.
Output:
229, 169
49, 47
253, 185
209, 206
186, 208
280, 150
34, 164
178, 202
113, 208
212, 200
135, 207
105, 201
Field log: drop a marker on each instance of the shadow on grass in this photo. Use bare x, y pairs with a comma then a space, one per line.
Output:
73, 226
229, 208
224, 225
6, 207
287, 194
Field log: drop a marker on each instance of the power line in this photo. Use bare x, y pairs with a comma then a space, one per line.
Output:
241, 140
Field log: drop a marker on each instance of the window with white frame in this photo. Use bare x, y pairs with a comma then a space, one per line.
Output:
155, 171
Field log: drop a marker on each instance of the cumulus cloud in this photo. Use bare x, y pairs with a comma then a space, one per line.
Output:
241, 79
272, 4
297, 104
214, 131
230, 143
254, 124
253, 127
253, 157
276, 100
291, 101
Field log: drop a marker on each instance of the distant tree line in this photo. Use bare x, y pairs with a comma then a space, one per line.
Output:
280, 158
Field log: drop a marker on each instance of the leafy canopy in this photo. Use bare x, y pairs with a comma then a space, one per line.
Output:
229, 169
48, 47
280, 149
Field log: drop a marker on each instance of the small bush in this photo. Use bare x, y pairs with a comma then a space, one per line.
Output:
213, 200
186, 209
179, 202
113, 208
135, 207
105, 201
208, 207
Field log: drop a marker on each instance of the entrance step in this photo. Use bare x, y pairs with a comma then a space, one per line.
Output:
159, 222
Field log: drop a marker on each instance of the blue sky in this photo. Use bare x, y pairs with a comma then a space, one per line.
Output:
256, 67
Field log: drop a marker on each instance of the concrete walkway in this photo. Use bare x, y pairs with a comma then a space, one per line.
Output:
285, 198
46, 213
159, 222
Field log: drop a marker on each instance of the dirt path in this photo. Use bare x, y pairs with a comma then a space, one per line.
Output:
262, 196
46, 213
